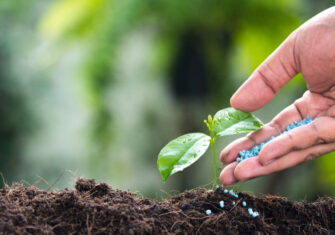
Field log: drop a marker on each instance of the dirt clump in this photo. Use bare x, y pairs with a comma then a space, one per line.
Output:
98, 209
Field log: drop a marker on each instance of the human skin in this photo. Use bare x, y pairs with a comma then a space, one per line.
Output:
309, 50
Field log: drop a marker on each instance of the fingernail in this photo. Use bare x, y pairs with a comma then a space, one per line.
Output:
224, 184
224, 155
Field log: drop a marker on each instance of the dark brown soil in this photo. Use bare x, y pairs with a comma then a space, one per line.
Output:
98, 209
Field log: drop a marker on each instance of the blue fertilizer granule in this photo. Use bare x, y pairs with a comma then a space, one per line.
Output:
208, 212
231, 192
255, 214
250, 211
245, 154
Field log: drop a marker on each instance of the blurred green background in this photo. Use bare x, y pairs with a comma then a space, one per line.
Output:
95, 88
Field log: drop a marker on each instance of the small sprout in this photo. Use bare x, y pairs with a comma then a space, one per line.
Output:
210, 119
207, 124
221, 204
244, 204
208, 212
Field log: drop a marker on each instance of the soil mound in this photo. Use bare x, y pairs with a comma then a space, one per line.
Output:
98, 209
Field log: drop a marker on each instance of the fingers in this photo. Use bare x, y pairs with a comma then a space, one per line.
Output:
252, 168
268, 78
320, 131
236, 173
227, 176
276, 126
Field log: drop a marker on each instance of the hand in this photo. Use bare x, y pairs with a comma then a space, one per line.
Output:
309, 50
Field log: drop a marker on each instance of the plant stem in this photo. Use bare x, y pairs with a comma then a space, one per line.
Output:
212, 141
210, 124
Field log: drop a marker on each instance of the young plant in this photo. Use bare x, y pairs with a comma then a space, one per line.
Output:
187, 149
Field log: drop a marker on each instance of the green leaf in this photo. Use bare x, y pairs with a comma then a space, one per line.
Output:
181, 153
231, 121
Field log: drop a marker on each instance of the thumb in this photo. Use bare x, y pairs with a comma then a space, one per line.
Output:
268, 78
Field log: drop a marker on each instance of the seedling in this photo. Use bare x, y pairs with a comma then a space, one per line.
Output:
187, 149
